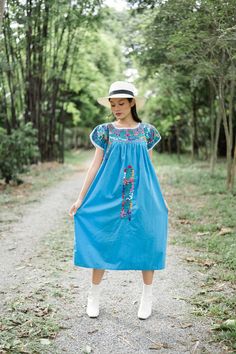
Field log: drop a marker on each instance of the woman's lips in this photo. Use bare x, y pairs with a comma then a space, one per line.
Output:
118, 114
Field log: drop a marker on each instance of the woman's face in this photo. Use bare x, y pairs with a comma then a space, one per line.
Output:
121, 107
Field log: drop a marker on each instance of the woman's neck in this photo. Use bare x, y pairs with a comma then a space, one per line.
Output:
126, 123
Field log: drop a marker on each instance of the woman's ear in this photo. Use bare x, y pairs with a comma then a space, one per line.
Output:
132, 103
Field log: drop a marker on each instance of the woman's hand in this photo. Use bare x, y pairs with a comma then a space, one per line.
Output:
74, 207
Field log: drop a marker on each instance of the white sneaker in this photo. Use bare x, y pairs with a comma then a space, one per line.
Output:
93, 300
145, 307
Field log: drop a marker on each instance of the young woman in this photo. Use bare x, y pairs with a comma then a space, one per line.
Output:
121, 217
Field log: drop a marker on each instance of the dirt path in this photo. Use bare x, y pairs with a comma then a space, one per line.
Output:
36, 258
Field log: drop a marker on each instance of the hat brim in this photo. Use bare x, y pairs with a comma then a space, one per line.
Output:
104, 101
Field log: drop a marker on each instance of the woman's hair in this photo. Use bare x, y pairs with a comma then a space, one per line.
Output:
133, 111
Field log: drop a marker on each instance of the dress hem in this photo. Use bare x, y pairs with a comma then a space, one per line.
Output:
110, 268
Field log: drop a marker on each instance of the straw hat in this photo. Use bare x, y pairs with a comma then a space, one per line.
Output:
122, 89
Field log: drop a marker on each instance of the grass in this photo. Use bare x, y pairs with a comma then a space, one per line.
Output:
41, 176
30, 322
28, 326
35, 181
78, 157
203, 213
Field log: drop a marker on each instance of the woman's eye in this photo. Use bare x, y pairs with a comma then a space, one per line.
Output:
121, 104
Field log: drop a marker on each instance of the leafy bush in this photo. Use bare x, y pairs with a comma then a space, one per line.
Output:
17, 151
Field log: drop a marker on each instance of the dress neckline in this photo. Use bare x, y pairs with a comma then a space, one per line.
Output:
125, 127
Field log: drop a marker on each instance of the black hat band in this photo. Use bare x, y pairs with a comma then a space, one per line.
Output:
121, 91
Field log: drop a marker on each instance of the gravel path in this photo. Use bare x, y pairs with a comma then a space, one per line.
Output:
172, 328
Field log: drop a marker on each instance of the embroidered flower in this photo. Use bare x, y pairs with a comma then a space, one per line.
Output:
127, 192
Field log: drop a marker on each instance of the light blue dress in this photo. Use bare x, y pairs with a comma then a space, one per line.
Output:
122, 223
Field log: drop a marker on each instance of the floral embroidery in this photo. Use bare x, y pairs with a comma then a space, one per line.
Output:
105, 134
127, 192
152, 135
99, 136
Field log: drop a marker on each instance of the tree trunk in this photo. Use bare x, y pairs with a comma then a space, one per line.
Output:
228, 126
28, 64
215, 125
194, 130
213, 129
10, 77
233, 167
177, 134
7, 124
169, 144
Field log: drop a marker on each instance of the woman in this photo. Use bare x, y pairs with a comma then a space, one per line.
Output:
121, 217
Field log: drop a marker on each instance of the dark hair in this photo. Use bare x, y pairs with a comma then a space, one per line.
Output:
133, 111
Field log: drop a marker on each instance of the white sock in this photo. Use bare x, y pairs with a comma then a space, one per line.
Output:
95, 288
147, 290
93, 299
145, 307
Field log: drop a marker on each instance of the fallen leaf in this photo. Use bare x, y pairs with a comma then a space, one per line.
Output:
93, 331
203, 233
186, 325
185, 222
190, 259
219, 287
225, 230
11, 248
204, 262
179, 298
158, 346
2, 327
45, 341
212, 300
208, 263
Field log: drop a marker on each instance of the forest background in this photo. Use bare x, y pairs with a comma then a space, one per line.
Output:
57, 57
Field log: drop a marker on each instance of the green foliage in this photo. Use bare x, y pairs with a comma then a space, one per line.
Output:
168, 105
187, 47
203, 215
54, 61
190, 36
100, 62
17, 151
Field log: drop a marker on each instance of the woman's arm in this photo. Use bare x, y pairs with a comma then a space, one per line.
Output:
92, 171
150, 154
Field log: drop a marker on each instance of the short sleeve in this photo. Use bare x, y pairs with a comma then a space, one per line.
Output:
99, 136
153, 137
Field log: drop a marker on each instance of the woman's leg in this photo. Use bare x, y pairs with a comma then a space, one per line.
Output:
97, 275
94, 293
148, 276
